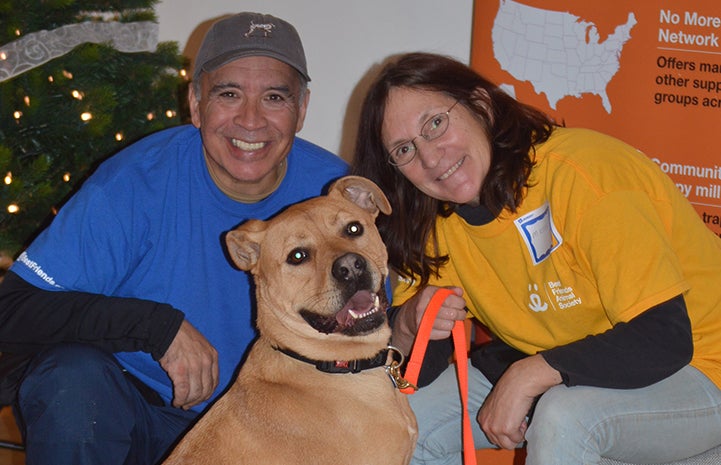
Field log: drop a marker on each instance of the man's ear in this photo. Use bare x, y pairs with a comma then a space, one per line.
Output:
302, 110
194, 105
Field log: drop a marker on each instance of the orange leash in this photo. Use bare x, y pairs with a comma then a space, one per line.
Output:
461, 354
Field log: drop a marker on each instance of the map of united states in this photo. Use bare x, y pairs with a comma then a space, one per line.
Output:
557, 52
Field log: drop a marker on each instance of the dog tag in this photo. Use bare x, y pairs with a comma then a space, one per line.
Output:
394, 373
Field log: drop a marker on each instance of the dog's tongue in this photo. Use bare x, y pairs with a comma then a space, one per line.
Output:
361, 303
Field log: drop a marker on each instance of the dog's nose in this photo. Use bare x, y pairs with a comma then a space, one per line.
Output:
349, 267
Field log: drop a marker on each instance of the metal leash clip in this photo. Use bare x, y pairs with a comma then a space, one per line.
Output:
394, 370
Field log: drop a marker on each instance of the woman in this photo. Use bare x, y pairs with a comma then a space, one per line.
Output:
572, 247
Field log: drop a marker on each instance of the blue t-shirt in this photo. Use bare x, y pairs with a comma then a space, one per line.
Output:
149, 224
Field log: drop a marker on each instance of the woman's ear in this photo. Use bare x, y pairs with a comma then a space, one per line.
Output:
480, 98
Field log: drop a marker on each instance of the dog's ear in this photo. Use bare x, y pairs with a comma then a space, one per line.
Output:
244, 243
363, 192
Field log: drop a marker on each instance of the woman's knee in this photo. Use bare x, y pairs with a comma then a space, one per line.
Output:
557, 414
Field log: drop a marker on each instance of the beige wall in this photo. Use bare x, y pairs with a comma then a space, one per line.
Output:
343, 41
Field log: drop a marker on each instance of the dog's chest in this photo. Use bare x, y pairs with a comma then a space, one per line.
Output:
320, 415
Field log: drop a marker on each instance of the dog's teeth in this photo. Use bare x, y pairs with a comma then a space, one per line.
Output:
357, 315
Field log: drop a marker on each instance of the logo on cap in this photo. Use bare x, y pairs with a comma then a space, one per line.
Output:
266, 28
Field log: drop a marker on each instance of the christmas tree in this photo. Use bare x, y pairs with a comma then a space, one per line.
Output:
79, 80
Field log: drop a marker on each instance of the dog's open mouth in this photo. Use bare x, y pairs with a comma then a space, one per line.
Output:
362, 314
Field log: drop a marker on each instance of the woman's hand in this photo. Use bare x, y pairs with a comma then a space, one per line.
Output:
411, 313
503, 415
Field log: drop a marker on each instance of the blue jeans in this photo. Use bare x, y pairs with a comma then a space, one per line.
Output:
77, 406
676, 418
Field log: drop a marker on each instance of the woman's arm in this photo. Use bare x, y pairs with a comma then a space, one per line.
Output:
647, 349
406, 318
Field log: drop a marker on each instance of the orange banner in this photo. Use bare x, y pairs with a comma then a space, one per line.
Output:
646, 72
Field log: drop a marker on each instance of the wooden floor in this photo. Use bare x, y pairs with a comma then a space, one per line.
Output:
9, 432
500, 457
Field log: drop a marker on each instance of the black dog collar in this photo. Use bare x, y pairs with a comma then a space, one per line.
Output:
341, 366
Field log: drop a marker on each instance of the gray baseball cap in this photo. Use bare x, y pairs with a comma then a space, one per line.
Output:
250, 34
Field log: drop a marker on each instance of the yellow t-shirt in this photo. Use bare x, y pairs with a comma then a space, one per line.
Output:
601, 236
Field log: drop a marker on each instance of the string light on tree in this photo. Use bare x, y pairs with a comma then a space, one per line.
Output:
107, 68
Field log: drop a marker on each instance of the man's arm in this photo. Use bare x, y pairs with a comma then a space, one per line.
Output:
32, 319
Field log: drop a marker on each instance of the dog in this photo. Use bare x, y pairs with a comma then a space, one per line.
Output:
315, 387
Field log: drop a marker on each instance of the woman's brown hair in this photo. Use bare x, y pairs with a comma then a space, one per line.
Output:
512, 128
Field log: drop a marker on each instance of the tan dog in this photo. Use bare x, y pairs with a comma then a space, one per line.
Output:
319, 269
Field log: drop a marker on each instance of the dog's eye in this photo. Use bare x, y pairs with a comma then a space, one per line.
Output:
354, 229
297, 256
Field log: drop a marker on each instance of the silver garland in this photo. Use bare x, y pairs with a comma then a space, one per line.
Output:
36, 48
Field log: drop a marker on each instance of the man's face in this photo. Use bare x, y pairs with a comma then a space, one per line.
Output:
248, 113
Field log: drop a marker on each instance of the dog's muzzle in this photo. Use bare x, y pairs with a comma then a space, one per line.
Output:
363, 313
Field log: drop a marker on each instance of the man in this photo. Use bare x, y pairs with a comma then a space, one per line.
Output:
137, 318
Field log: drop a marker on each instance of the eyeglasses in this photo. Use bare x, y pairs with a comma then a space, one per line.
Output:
435, 127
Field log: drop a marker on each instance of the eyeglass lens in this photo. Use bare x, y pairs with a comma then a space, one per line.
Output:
434, 128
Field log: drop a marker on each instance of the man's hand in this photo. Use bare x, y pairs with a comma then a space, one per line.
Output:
192, 365
503, 415
409, 319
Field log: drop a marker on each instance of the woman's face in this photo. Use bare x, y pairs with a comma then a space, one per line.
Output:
449, 168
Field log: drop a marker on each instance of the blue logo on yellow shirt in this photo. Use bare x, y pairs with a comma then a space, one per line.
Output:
539, 233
